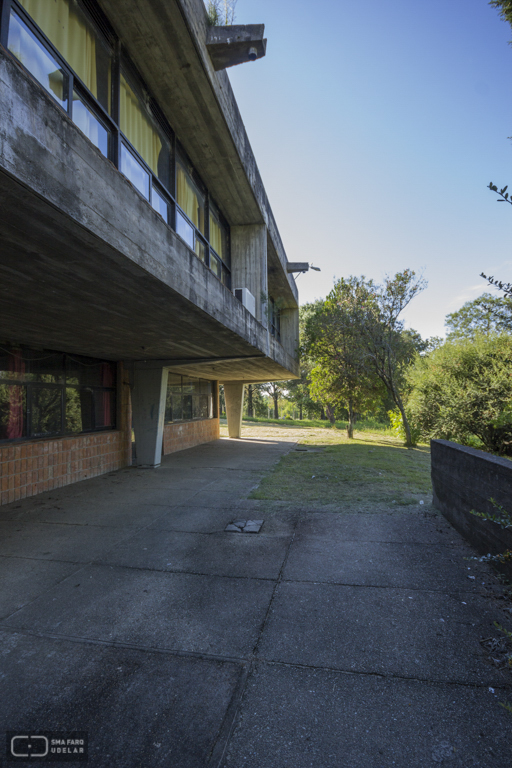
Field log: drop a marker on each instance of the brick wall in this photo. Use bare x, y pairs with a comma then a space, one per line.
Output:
177, 437
33, 466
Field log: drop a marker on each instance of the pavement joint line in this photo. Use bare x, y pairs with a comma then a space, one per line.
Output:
251, 660
387, 675
276, 586
77, 639
80, 568
217, 753
452, 593
185, 573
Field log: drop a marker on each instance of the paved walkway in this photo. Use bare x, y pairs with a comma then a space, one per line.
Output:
324, 641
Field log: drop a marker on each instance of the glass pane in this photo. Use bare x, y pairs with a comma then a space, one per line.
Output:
177, 408
12, 365
203, 406
86, 397
134, 172
27, 48
190, 384
174, 382
46, 411
187, 407
159, 203
184, 230
68, 28
189, 196
13, 408
89, 124
218, 235
47, 368
215, 265
73, 410
141, 130
200, 250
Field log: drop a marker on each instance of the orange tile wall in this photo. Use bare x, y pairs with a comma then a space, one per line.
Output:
177, 437
34, 466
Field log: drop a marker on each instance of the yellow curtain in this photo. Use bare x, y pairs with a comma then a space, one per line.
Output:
64, 25
187, 197
216, 236
137, 127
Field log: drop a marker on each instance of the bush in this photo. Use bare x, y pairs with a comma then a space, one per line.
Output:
397, 425
463, 392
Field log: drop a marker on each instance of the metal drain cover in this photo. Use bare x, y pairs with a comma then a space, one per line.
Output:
244, 526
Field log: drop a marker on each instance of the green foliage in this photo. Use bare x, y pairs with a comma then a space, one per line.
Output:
397, 425
504, 520
220, 12
358, 345
505, 7
486, 314
463, 391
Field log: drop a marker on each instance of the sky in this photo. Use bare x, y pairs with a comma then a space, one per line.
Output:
377, 127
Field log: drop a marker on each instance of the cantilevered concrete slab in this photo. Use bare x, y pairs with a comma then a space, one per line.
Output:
89, 267
236, 44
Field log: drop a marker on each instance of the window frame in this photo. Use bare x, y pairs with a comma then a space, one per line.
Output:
194, 397
30, 386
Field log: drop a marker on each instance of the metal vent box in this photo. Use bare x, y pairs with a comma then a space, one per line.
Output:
247, 299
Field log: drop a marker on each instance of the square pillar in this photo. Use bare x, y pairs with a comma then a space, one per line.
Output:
234, 396
148, 408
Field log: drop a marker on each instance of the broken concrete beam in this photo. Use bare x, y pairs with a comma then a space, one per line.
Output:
235, 44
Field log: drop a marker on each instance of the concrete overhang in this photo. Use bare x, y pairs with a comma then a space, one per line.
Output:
88, 267
166, 40
236, 44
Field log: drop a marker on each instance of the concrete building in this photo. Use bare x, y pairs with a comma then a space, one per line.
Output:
140, 263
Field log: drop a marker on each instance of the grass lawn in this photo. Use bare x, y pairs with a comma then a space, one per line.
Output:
371, 473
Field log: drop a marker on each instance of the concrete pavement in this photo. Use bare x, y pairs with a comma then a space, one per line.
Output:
326, 640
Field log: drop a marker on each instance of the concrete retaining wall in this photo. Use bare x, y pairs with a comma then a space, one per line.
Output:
464, 479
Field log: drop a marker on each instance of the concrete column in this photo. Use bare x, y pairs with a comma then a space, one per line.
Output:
290, 330
234, 395
249, 264
148, 408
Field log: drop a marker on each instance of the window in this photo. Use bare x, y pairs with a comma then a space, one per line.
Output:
44, 394
275, 319
76, 39
68, 46
142, 130
188, 399
27, 48
219, 242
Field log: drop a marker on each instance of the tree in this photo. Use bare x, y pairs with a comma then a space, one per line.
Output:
390, 349
505, 7
487, 314
256, 403
463, 390
221, 12
276, 390
332, 339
